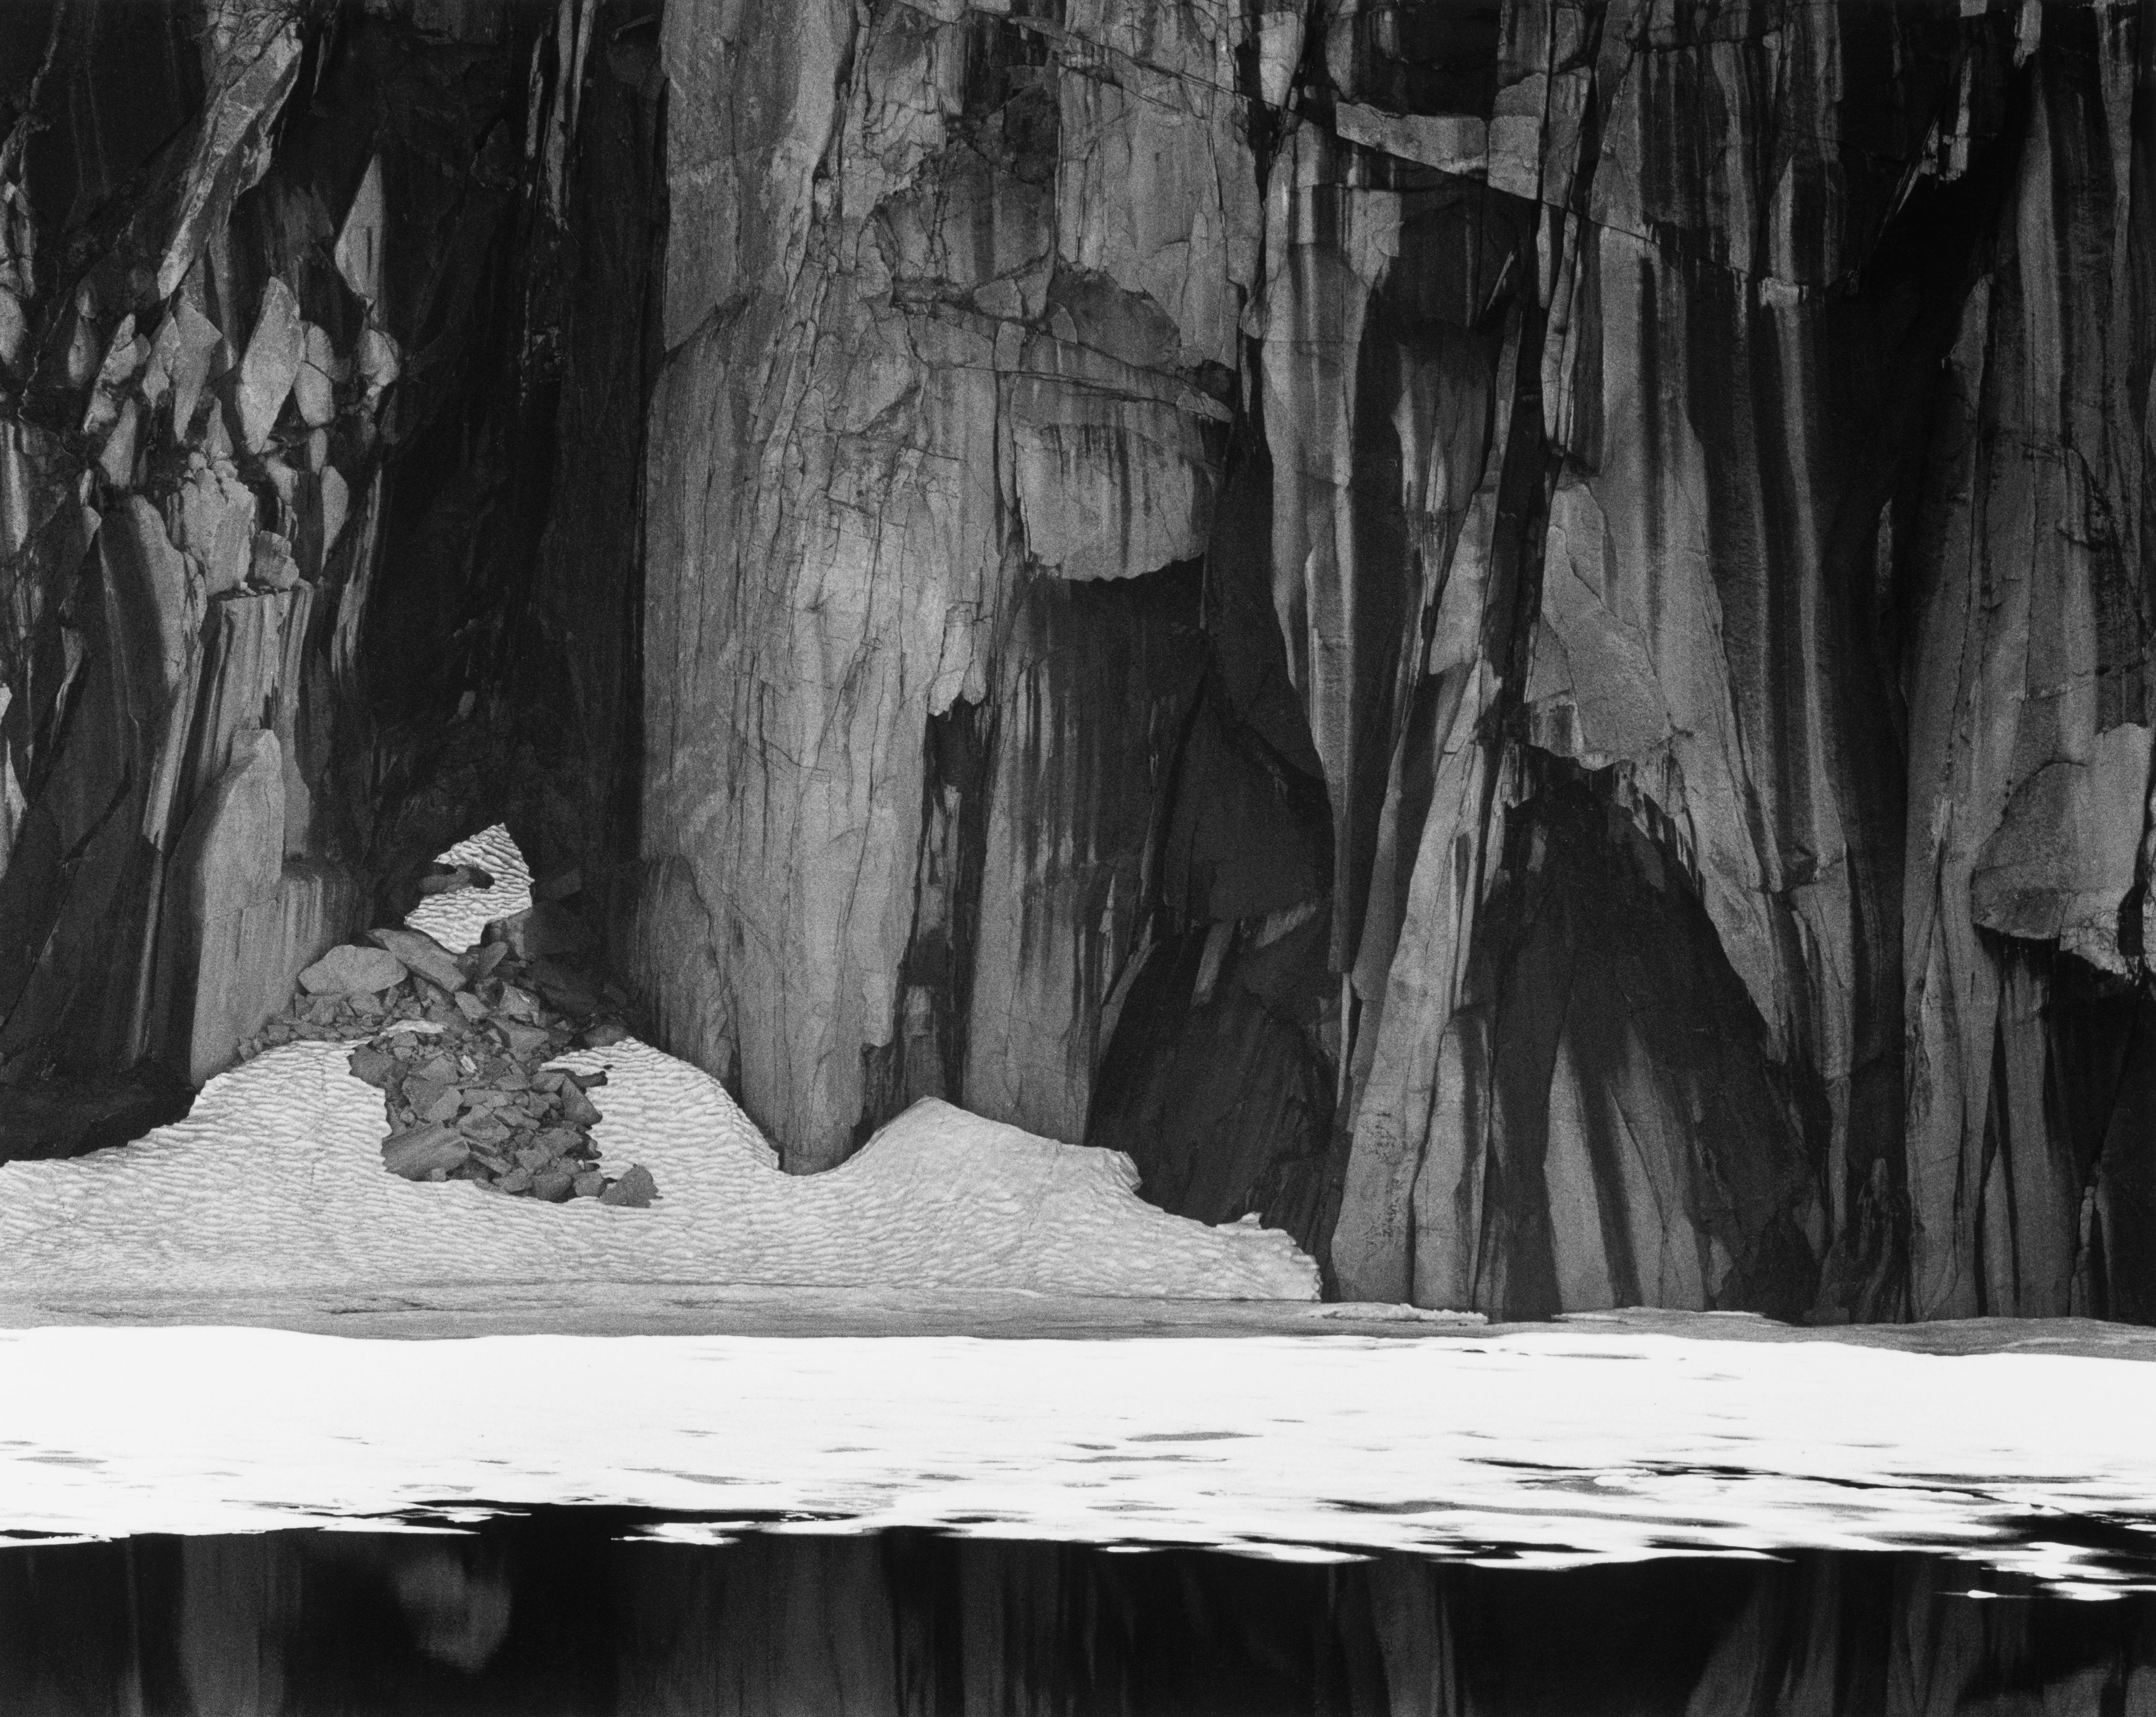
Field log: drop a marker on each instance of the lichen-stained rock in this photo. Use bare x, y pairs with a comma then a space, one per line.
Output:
212, 515
182, 353
1765, 137
79, 883
742, 190
1379, 348
1114, 466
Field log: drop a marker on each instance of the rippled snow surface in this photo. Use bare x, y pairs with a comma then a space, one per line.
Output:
456, 919
275, 1181
1556, 1447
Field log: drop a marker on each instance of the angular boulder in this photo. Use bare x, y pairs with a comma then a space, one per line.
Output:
422, 954
634, 1191
353, 971
428, 1151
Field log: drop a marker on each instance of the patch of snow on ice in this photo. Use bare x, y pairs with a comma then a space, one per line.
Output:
455, 919
274, 1182
1382, 1311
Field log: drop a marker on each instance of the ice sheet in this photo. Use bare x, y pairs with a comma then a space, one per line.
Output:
1560, 1446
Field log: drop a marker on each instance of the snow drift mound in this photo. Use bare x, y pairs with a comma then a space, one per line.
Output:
274, 1182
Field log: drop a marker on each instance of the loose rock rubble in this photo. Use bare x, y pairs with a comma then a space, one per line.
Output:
457, 1044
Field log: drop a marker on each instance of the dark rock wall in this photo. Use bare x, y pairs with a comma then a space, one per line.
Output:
308, 314
1514, 633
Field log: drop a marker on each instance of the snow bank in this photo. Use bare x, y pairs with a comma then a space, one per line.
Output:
274, 1182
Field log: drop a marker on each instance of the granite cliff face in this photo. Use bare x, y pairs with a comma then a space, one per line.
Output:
1524, 622
1515, 632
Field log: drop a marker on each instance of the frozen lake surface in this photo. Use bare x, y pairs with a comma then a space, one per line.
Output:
1554, 1447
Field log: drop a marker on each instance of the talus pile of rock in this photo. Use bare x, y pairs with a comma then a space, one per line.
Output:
457, 1044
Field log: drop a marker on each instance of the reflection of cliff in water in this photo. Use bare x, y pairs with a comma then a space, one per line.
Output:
560, 1613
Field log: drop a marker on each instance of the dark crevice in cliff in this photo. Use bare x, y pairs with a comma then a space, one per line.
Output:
1217, 1081
1643, 1145
927, 1056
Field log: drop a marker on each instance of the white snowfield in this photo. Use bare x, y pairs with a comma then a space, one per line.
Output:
274, 1182
1560, 1446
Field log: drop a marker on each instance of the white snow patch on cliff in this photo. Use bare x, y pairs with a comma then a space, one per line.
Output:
455, 919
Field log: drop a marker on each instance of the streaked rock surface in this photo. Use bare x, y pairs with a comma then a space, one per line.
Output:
1513, 633
1622, 773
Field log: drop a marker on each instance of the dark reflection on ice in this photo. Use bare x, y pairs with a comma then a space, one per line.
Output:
575, 1611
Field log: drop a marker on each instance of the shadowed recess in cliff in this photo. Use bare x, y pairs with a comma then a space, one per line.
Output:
1217, 1084
1639, 1146
286, 307
1097, 685
926, 1054
2068, 1192
1218, 1079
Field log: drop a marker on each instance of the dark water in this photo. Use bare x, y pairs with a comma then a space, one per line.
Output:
556, 1613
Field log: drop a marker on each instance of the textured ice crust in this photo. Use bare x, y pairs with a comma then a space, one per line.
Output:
275, 1181
455, 919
